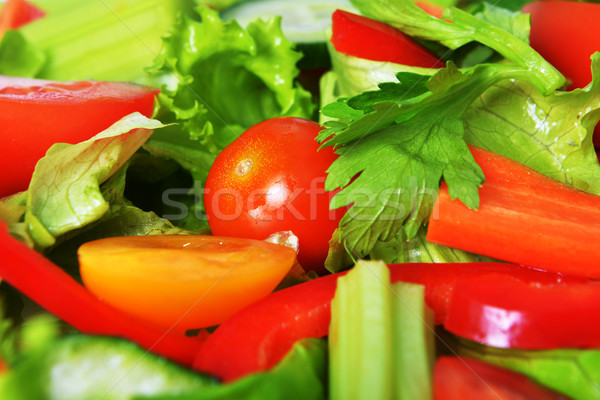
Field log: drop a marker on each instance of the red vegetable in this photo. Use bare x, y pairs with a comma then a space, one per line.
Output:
16, 13
37, 113
568, 44
53, 289
501, 311
566, 33
523, 217
258, 336
465, 378
363, 37
271, 179
440, 279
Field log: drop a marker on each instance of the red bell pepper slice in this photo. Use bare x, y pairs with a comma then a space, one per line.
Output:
466, 378
16, 13
500, 311
523, 217
55, 290
366, 38
257, 337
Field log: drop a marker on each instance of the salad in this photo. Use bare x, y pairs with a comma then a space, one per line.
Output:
316, 199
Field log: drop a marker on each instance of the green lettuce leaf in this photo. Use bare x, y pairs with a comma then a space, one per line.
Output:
551, 134
64, 193
225, 79
574, 373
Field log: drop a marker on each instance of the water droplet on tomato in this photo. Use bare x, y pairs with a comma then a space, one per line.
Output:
244, 167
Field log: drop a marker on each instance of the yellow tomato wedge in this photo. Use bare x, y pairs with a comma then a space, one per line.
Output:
182, 282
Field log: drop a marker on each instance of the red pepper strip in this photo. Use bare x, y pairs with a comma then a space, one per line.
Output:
16, 13
257, 337
363, 37
441, 279
523, 217
463, 378
500, 311
53, 289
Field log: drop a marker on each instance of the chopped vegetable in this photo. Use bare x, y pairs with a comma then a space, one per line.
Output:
182, 282
522, 219
464, 378
16, 13
381, 337
53, 289
37, 113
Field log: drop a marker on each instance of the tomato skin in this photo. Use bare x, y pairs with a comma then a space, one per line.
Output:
566, 33
38, 113
464, 378
272, 179
182, 282
363, 37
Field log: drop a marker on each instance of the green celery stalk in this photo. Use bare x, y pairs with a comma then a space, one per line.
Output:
380, 340
100, 39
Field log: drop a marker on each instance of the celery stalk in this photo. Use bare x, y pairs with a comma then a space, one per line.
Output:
380, 338
100, 39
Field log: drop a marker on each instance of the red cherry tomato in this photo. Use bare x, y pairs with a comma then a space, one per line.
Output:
272, 179
363, 37
469, 379
37, 113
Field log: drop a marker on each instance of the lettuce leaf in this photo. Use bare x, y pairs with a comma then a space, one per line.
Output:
224, 80
65, 193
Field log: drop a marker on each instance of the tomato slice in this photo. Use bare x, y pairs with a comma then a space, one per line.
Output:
182, 282
363, 37
465, 378
38, 113
501, 311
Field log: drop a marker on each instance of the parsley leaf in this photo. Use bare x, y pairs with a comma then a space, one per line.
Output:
395, 152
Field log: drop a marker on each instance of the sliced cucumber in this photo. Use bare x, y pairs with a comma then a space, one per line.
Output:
86, 367
302, 21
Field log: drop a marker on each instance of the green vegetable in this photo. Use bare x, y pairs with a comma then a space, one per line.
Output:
403, 139
76, 173
574, 373
381, 338
464, 28
79, 40
302, 374
85, 367
302, 22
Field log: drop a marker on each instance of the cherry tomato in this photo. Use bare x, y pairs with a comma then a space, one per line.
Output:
363, 37
37, 113
272, 179
469, 379
181, 282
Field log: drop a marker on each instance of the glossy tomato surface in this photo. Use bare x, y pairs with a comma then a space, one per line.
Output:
271, 179
38, 113
566, 33
180, 282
